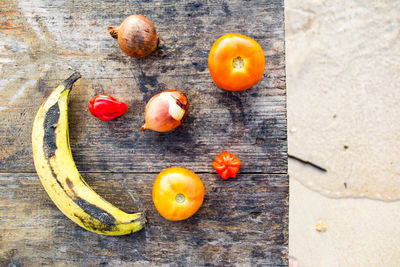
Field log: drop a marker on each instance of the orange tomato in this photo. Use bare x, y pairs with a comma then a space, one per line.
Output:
177, 193
226, 164
236, 62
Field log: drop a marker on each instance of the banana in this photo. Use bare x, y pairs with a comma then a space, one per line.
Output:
60, 177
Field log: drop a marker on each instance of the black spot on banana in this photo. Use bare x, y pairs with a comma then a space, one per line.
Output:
60, 177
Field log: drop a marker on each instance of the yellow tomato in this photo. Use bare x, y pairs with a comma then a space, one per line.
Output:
177, 193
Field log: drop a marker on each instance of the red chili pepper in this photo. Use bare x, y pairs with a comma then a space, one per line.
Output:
106, 107
226, 164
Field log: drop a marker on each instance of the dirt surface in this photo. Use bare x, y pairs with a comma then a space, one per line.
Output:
343, 61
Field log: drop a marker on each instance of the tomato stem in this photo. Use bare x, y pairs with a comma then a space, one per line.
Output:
238, 63
180, 198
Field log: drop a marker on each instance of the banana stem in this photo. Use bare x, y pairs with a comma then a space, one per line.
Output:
71, 80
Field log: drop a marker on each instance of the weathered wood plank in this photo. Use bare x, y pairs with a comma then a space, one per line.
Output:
242, 221
48, 39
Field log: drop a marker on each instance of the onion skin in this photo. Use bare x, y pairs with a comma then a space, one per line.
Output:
160, 114
136, 36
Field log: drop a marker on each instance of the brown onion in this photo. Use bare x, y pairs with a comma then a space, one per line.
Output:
136, 36
165, 111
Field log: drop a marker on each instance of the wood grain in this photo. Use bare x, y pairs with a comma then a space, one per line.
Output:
242, 221
238, 223
251, 124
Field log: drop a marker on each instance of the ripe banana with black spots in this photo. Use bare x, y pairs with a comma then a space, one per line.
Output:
60, 177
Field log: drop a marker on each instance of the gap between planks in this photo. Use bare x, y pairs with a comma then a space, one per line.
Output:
133, 172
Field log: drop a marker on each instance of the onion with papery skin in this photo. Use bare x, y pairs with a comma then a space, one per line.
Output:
165, 111
136, 36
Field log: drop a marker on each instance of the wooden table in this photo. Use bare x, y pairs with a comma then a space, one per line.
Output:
243, 221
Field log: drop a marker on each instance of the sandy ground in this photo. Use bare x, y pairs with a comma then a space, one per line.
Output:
343, 66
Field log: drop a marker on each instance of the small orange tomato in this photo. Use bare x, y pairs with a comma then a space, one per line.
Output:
177, 193
236, 62
226, 165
